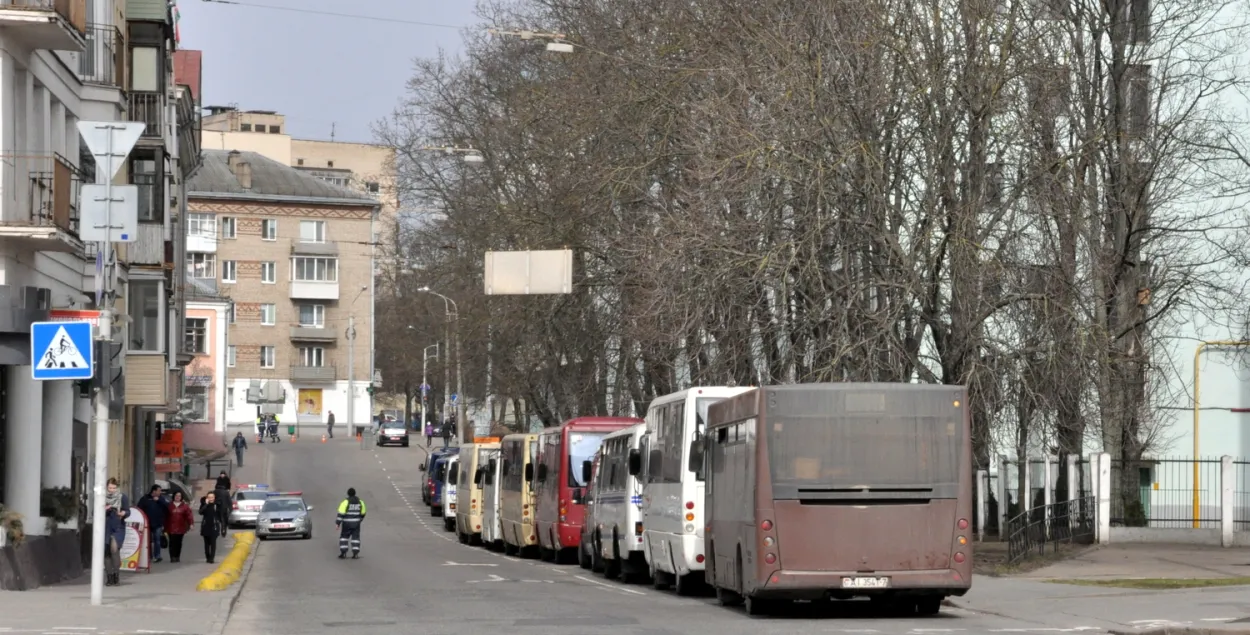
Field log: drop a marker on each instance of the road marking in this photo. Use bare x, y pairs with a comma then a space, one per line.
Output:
86, 628
609, 586
1219, 619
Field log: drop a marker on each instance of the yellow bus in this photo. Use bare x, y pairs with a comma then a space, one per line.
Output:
516, 496
469, 503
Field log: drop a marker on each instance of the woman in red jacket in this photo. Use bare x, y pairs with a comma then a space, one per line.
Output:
178, 524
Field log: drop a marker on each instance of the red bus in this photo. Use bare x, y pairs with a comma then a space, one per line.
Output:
561, 487
838, 491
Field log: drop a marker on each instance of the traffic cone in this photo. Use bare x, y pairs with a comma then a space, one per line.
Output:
323, 438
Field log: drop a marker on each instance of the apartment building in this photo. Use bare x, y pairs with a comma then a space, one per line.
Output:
293, 255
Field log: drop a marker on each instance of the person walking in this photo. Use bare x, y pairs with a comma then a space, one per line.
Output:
210, 526
429, 434
223, 481
179, 523
116, 510
351, 514
155, 506
449, 427
239, 444
330, 425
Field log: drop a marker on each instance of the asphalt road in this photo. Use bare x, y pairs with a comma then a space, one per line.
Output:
414, 577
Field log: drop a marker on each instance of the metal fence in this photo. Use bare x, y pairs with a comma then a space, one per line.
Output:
1069, 521
1159, 492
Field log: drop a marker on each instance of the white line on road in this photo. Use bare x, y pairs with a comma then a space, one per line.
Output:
609, 586
449, 563
85, 628
1219, 619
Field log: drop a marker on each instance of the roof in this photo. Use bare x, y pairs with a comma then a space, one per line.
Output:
271, 180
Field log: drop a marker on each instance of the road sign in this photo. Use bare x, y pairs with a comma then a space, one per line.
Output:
74, 315
109, 214
96, 135
61, 350
454, 396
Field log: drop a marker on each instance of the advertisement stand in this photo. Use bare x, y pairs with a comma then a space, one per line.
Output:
136, 551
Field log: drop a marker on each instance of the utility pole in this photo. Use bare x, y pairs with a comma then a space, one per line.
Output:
351, 374
460, 416
447, 372
425, 387
110, 142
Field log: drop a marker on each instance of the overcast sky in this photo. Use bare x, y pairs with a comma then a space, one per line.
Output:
318, 70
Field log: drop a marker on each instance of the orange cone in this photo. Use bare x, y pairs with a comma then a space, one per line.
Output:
323, 438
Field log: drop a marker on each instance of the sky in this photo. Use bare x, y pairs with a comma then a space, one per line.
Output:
323, 72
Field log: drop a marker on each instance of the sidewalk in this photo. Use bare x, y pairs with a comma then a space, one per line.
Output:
162, 601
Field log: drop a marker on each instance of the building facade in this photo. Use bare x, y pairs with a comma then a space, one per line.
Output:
294, 256
206, 328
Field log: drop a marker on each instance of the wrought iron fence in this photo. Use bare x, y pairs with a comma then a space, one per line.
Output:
1070, 521
1159, 492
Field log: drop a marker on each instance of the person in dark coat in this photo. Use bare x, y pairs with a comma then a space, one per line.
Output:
156, 507
223, 503
116, 509
210, 525
223, 482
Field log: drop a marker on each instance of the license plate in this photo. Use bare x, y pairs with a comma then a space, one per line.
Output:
281, 525
865, 583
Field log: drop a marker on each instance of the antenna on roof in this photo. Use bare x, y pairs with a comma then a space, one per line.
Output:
332, 125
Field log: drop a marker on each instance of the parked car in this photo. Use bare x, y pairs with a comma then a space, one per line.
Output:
392, 432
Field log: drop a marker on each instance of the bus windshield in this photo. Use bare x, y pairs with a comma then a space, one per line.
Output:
582, 447
862, 451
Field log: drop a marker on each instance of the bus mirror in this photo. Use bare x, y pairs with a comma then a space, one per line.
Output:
529, 472
542, 473
587, 467
635, 462
477, 476
695, 464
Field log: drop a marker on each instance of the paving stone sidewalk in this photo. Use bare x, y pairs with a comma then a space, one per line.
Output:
162, 601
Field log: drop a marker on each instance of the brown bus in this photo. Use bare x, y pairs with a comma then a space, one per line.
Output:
838, 491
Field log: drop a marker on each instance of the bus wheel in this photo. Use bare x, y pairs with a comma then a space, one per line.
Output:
583, 558
727, 597
660, 580
508, 549
929, 605
545, 554
687, 585
756, 606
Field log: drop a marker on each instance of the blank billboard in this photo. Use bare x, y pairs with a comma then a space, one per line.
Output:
529, 272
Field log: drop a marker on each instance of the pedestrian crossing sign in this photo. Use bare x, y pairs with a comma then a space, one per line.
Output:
61, 350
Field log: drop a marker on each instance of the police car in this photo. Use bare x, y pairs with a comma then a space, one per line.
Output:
284, 514
246, 502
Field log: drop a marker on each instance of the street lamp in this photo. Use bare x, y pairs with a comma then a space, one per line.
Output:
351, 362
556, 43
452, 311
425, 364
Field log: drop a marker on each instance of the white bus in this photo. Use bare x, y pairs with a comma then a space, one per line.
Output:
492, 528
672, 496
451, 476
618, 507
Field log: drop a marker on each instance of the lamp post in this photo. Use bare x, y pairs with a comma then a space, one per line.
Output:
351, 363
555, 41
425, 364
453, 314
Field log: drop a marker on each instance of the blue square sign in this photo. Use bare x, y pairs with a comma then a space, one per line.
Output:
62, 350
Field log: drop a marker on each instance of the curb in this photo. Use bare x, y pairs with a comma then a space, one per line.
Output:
231, 568
218, 626
1184, 630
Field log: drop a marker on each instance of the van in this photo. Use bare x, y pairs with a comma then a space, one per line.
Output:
473, 457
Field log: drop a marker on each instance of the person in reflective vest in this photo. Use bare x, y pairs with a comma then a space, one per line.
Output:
351, 515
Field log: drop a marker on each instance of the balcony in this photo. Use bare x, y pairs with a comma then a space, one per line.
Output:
189, 142
312, 334
313, 374
150, 109
54, 25
302, 290
301, 248
42, 212
103, 59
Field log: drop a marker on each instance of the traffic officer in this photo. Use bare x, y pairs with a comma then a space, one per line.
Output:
351, 515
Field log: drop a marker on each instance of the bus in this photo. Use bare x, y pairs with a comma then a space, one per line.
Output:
473, 458
672, 495
516, 496
587, 557
617, 535
492, 536
839, 491
450, 484
561, 485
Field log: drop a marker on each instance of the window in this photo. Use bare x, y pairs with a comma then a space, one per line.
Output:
312, 231
198, 396
203, 225
299, 162
229, 271
229, 227
341, 178
275, 129
329, 164
268, 272
372, 187
202, 265
269, 229
267, 356
231, 356
247, 127
312, 356
145, 307
315, 269
312, 315
1137, 90
145, 69
197, 336
230, 399
1139, 20
143, 175
268, 314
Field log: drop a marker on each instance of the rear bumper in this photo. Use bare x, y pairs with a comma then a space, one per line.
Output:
568, 534
796, 584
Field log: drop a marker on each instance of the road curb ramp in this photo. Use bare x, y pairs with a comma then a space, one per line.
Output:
231, 568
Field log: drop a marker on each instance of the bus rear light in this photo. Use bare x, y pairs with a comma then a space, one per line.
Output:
963, 523
959, 556
767, 525
637, 529
963, 540
478, 527
690, 529
564, 510
770, 558
563, 518
451, 505
689, 517
525, 513
768, 541
689, 504
699, 558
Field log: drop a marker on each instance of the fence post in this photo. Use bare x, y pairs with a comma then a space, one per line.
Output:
983, 507
1104, 498
1074, 489
1003, 499
1048, 495
1227, 520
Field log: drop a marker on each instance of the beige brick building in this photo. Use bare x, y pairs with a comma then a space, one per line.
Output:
294, 254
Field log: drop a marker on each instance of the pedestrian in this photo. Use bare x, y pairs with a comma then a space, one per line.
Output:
330, 424
210, 526
351, 514
222, 495
223, 481
116, 510
155, 506
239, 445
179, 523
449, 427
